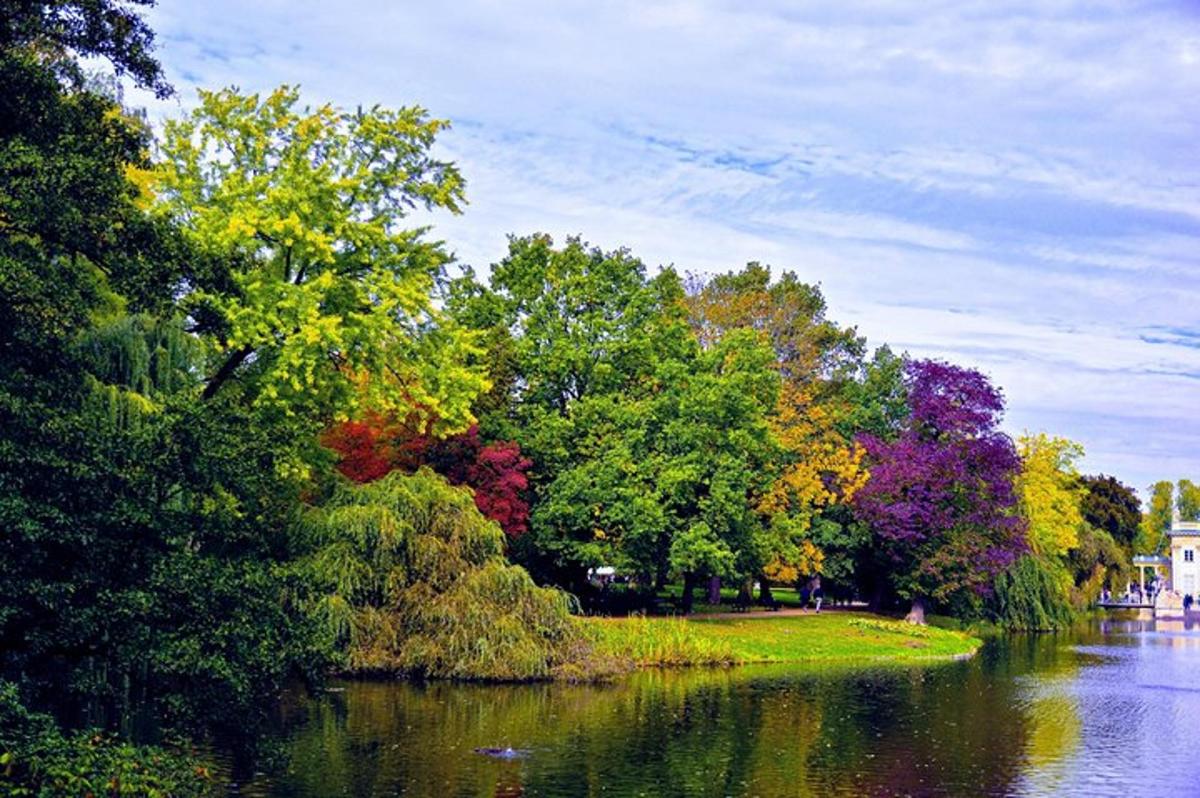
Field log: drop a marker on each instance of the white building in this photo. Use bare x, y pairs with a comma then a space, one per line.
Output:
1185, 557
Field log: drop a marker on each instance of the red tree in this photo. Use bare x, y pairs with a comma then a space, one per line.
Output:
369, 449
363, 455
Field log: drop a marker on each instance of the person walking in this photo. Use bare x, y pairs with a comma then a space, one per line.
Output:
818, 595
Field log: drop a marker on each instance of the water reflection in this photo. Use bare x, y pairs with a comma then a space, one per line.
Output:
1097, 712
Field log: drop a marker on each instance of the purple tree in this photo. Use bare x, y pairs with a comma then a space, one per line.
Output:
940, 500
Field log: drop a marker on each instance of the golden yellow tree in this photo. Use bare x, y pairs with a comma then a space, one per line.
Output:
1050, 492
817, 467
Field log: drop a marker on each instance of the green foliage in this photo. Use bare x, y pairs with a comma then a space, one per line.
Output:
812, 350
1098, 562
36, 759
1113, 507
644, 442
326, 301
1187, 500
1032, 595
143, 530
107, 29
877, 402
1156, 520
412, 579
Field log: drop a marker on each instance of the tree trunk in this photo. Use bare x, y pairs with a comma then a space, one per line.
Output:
917, 613
745, 596
714, 590
765, 597
875, 603
689, 589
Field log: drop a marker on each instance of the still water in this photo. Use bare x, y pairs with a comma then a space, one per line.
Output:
1108, 710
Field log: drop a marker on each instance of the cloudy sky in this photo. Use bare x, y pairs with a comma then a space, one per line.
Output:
1009, 185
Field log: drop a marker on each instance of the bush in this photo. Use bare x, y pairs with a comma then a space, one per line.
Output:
413, 580
36, 759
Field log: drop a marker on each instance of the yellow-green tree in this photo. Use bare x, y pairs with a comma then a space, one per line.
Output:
1036, 591
1187, 500
1156, 520
1051, 493
319, 293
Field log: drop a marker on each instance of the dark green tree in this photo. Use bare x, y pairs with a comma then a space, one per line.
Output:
1113, 507
648, 449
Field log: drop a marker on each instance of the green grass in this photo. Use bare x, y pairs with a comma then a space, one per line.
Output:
829, 637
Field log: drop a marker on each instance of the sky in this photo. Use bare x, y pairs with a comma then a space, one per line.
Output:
1010, 186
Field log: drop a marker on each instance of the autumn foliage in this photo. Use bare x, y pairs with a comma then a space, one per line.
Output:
374, 447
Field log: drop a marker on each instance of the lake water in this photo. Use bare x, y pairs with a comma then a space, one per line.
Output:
1109, 710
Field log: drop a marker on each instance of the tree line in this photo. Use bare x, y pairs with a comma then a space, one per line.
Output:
256, 424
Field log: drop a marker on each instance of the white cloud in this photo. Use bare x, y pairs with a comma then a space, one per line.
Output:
1010, 185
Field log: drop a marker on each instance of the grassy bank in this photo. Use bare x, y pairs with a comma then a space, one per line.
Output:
829, 637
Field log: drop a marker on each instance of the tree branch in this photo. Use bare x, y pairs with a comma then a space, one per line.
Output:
226, 371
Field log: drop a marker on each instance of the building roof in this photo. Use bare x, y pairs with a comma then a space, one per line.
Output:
1181, 529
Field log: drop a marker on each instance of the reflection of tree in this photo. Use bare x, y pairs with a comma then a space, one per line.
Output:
1055, 731
768, 731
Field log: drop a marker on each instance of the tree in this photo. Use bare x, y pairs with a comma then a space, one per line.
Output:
650, 449
817, 466
876, 402
107, 29
1050, 495
325, 305
941, 501
496, 472
1156, 520
810, 348
1113, 507
1035, 593
1187, 500
412, 579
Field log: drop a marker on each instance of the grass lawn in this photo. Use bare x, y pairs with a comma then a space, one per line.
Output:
828, 637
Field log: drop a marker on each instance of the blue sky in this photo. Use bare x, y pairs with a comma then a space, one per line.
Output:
1013, 186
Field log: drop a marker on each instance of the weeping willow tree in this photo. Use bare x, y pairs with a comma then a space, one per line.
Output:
412, 579
1029, 597
133, 361
1034, 594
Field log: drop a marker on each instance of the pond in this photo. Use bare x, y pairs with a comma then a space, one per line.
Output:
1109, 709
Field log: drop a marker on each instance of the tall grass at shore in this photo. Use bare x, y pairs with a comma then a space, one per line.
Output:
663, 642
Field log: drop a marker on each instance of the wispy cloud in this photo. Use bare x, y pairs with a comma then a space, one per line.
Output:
1010, 185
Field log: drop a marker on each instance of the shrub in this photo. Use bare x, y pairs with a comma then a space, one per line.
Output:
36, 759
413, 580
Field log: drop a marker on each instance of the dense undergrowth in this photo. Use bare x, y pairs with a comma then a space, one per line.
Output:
37, 759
